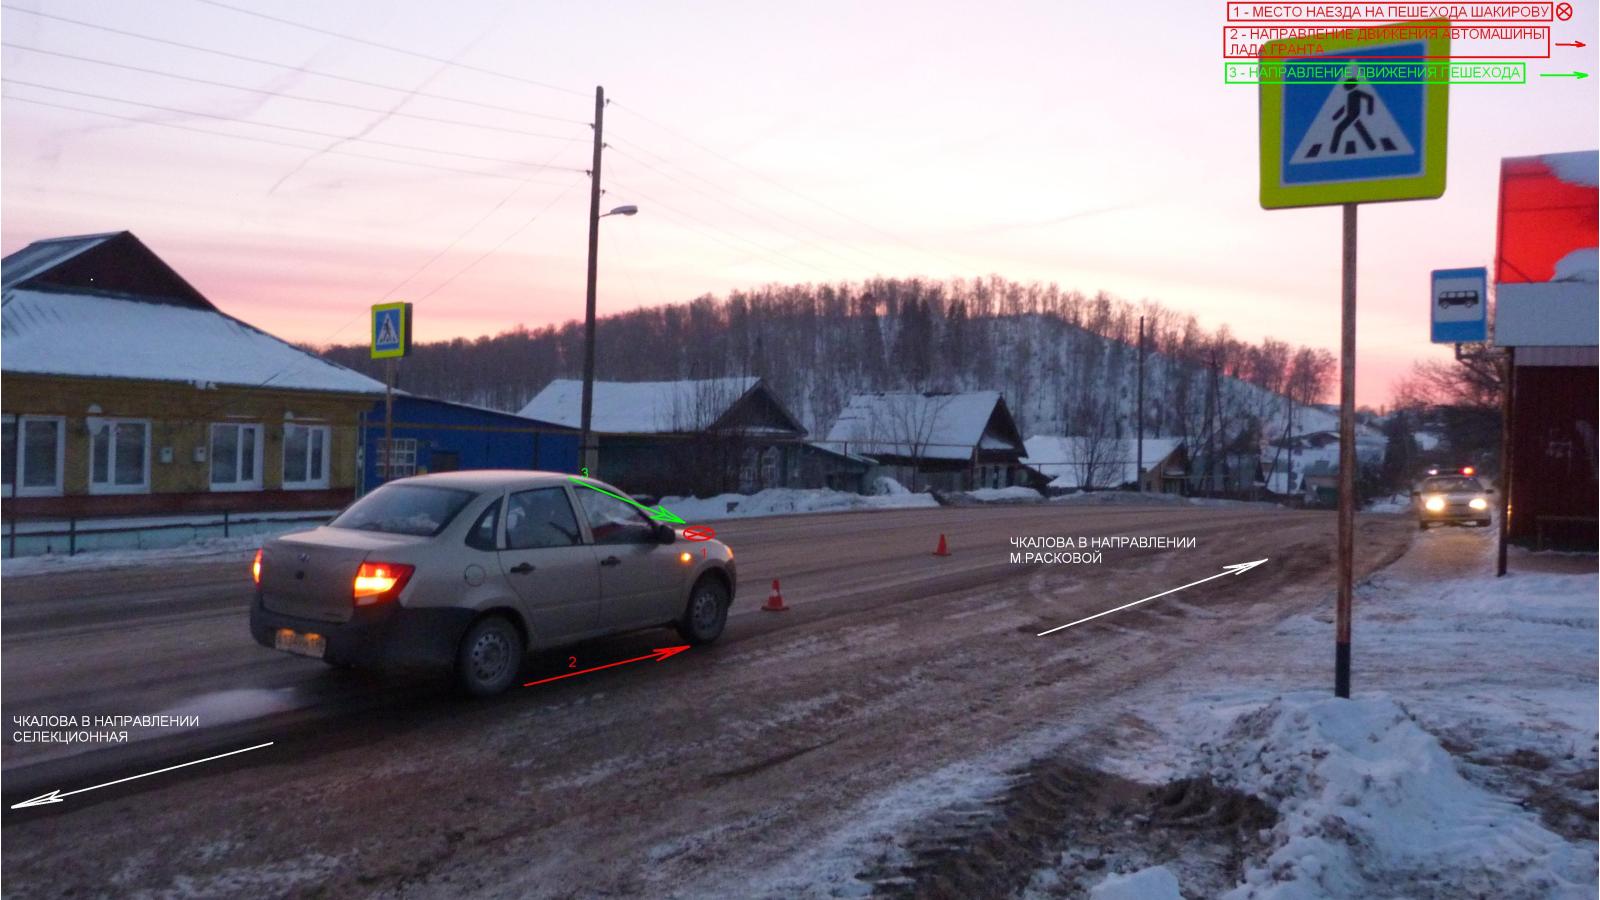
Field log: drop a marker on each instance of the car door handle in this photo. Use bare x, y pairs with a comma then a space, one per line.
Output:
611, 561
521, 568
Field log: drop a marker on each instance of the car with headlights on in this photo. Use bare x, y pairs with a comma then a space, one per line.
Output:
470, 570
1451, 499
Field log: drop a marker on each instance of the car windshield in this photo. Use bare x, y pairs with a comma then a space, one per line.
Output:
1452, 484
404, 509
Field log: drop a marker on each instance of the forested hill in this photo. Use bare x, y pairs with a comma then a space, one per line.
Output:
1066, 362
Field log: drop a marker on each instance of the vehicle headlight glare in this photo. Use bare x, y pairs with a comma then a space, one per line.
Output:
1479, 503
1434, 504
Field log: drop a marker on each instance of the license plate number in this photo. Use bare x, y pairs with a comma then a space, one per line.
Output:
300, 643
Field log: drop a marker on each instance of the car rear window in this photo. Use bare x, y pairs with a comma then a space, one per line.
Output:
404, 509
1453, 483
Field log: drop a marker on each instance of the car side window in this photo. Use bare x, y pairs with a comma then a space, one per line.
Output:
541, 518
612, 521
482, 534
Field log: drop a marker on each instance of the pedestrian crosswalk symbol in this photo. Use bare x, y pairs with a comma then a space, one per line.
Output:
388, 331
1353, 123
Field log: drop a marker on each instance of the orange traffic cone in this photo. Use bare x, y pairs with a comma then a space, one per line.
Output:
775, 599
944, 548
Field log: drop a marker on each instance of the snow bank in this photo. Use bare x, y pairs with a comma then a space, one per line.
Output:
240, 548
1015, 493
1371, 804
789, 501
1154, 883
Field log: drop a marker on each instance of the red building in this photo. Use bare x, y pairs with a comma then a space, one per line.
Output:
1547, 316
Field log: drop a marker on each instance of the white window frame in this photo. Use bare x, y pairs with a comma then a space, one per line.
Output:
327, 457
211, 447
409, 447
111, 487
21, 489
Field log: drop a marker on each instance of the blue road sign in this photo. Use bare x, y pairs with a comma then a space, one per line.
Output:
1460, 299
391, 330
1362, 122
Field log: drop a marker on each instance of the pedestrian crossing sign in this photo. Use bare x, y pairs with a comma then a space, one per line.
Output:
391, 330
1361, 120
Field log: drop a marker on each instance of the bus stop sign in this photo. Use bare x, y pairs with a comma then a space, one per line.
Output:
1460, 298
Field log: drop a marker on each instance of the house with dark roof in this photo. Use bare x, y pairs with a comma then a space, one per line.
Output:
128, 392
936, 440
695, 436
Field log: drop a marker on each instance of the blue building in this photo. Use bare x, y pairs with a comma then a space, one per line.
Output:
439, 436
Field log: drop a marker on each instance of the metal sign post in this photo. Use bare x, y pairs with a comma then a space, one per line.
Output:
391, 341
1347, 457
1341, 128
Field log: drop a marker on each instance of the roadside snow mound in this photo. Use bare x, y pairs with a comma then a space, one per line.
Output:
1370, 805
1015, 493
1154, 883
788, 501
885, 485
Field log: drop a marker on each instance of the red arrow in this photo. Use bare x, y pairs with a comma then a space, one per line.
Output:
659, 653
1573, 44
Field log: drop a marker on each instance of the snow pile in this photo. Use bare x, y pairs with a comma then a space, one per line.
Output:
1154, 883
1371, 804
886, 485
1013, 494
789, 501
1398, 503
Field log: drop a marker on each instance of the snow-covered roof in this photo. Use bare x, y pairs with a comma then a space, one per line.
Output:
929, 426
39, 256
1071, 462
56, 333
641, 407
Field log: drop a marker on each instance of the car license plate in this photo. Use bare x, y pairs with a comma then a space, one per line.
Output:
300, 643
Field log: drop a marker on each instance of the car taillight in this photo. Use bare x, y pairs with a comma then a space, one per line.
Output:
377, 581
255, 567
1468, 470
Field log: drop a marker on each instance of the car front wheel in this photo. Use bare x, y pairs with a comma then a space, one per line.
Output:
707, 612
489, 657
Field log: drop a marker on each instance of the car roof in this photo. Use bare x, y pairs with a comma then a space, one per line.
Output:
487, 479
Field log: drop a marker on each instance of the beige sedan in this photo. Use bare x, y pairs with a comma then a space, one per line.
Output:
470, 570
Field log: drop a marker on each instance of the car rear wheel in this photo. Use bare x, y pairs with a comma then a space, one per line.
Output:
707, 612
489, 657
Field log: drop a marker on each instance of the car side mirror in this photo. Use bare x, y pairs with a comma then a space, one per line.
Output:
665, 534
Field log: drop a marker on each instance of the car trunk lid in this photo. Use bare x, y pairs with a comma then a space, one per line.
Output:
311, 574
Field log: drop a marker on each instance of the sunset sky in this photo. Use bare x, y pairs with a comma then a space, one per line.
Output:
1089, 144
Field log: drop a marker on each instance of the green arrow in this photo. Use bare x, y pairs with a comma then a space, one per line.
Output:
1578, 75
656, 513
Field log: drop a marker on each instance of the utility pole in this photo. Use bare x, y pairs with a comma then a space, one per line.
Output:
1139, 415
590, 454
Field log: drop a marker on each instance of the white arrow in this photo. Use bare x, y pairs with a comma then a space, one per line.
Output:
1235, 569
57, 796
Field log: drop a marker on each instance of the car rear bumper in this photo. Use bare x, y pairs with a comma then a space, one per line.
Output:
385, 635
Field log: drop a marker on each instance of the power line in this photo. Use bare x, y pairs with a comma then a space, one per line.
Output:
772, 181
288, 66
507, 239
706, 225
260, 140
391, 47
746, 214
287, 96
311, 131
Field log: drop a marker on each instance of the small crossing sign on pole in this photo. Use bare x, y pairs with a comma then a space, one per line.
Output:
391, 330
1460, 298
1361, 121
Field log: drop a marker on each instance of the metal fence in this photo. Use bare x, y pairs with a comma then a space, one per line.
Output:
86, 533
